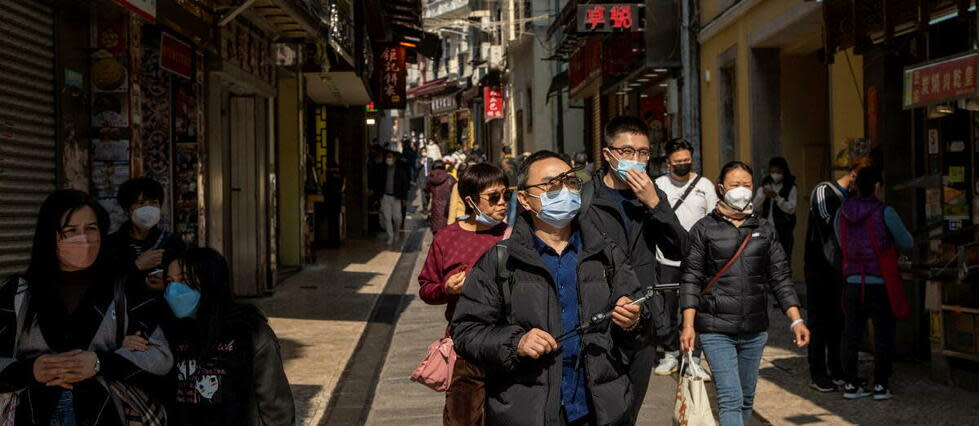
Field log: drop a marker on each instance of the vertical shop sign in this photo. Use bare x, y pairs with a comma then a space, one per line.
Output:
390, 76
175, 56
610, 17
144, 8
942, 80
492, 103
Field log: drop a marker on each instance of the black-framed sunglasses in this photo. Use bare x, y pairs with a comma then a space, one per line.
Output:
496, 196
568, 179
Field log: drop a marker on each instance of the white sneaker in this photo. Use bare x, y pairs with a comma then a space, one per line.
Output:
668, 365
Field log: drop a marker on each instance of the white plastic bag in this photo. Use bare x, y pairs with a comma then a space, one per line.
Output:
692, 407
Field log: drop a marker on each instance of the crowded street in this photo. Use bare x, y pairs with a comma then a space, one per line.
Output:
489, 212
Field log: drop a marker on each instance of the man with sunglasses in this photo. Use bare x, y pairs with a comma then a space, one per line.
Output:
623, 202
550, 277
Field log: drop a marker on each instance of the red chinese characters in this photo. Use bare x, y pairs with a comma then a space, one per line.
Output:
943, 80
390, 75
596, 17
610, 17
492, 103
621, 17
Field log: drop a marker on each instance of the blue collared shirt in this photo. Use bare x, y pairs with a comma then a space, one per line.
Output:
564, 271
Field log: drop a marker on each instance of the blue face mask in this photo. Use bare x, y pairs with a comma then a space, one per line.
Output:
624, 165
183, 299
559, 209
484, 219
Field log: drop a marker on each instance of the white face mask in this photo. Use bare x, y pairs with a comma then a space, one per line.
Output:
146, 217
389, 161
739, 198
776, 177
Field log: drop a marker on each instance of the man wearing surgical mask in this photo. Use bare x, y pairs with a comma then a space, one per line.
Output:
552, 275
625, 204
139, 242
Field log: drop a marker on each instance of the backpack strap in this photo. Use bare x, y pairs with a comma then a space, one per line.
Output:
504, 280
688, 191
737, 254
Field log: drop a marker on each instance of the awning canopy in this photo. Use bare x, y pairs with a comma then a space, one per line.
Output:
292, 19
337, 88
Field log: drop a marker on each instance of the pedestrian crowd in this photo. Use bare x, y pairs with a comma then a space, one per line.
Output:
561, 280
131, 328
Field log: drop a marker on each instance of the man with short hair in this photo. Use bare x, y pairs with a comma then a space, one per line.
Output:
623, 202
393, 184
691, 196
824, 280
551, 276
139, 243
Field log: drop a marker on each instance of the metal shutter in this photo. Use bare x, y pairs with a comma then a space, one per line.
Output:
27, 137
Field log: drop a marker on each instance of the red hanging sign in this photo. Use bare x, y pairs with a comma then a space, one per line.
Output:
176, 56
492, 103
943, 80
390, 76
610, 17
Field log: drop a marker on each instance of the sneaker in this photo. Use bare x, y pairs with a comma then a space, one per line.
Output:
668, 365
852, 391
882, 393
823, 384
839, 383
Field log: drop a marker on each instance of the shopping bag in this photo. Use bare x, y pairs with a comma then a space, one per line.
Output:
692, 406
435, 371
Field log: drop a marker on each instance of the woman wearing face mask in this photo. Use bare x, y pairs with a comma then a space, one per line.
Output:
227, 362
139, 242
61, 344
733, 263
454, 250
776, 200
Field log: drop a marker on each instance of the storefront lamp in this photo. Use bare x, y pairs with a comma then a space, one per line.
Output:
371, 121
969, 104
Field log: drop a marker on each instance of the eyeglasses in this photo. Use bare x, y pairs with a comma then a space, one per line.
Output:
630, 153
568, 179
495, 197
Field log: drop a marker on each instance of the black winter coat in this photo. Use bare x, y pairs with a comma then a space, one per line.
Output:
523, 391
738, 302
658, 227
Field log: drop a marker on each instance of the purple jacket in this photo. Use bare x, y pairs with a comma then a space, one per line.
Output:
859, 255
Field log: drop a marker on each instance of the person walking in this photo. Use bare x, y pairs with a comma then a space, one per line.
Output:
394, 187
439, 187
452, 253
625, 204
869, 232
691, 196
824, 280
424, 166
555, 275
433, 150
139, 242
777, 198
67, 318
733, 263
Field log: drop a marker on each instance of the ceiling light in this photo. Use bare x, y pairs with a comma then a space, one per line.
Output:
944, 109
650, 75
642, 80
371, 122
643, 95
661, 70
663, 85
634, 84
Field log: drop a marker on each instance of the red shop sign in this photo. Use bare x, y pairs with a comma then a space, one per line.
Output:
143, 8
943, 80
492, 103
176, 56
390, 75
610, 17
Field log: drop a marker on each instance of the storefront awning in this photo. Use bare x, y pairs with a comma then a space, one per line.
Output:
558, 83
337, 88
292, 19
430, 88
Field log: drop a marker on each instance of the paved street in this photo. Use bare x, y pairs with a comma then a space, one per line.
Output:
352, 330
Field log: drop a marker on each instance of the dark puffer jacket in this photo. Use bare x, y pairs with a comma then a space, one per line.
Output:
738, 302
524, 391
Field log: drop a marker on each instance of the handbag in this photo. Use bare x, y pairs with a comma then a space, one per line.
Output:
692, 406
435, 371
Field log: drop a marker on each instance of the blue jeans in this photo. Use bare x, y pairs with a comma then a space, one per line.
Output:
734, 361
64, 412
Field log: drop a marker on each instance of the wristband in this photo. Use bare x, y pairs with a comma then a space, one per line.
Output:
795, 323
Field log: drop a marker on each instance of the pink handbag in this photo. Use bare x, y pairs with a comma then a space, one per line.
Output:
435, 371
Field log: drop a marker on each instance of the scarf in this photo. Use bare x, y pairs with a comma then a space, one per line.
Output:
730, 213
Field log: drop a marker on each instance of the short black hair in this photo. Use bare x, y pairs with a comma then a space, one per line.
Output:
867, 180
624, 124
478, 178
507, 150
730, 167
678, 144
781, 163
438, 165
130, 191
524, 172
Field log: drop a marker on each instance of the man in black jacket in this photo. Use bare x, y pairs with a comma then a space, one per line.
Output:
550, 277
392, 183
824, 280
630, 210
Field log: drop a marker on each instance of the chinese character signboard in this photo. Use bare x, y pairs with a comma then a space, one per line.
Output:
175, 56
943, 80
610, 17
390, 75
143, 8
492, 103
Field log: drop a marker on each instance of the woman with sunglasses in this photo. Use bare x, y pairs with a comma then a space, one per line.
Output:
483, 189
60, 341
228, 365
